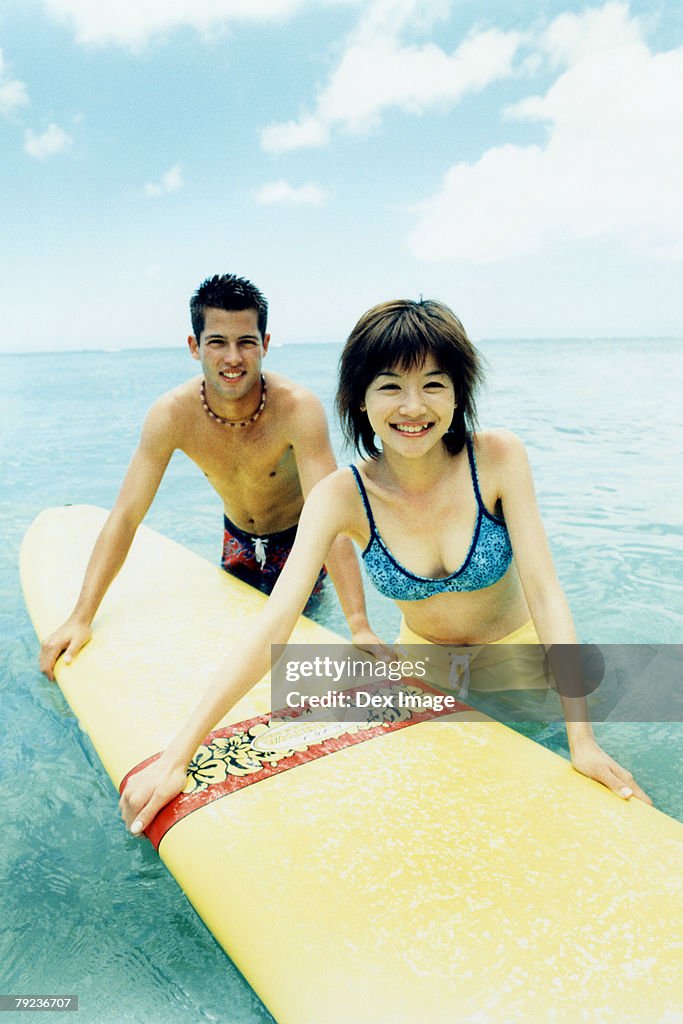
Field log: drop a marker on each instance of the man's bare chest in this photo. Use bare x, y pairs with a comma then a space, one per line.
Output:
229, 458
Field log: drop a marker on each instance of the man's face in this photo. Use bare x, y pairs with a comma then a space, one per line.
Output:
231, 351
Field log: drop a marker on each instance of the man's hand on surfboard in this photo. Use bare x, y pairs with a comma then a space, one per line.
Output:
148, 791
67, 640
591, 760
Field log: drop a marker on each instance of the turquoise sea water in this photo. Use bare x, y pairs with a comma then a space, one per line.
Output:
87, 909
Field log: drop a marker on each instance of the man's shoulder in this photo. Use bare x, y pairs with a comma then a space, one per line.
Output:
298, 416
289, 390
179, 396
292, 399
173, 406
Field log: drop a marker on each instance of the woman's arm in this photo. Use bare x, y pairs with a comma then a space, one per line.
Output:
322, 519
549, 609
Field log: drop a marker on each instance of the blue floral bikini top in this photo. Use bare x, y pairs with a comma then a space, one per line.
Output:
487, 560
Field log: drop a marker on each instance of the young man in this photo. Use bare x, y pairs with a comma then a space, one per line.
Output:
260, 439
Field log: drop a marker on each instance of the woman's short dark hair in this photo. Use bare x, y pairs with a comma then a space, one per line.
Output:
402, 333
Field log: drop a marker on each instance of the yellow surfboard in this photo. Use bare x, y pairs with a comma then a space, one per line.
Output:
450, 871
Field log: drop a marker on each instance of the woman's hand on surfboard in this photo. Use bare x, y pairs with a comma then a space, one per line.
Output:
365, 639
67, 640
148, 791
591, 760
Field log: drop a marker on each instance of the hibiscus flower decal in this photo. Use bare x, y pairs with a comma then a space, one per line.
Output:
237, 753
398, 712
204, 770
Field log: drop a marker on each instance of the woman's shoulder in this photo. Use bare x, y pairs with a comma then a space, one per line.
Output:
497, 449
497, 443
337, 498
338, 485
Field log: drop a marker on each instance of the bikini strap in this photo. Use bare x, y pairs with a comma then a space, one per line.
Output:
364, 496
473, 470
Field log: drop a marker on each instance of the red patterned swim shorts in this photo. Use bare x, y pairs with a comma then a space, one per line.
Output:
259, 560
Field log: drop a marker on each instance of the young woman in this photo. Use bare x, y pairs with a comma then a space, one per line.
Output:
446, 518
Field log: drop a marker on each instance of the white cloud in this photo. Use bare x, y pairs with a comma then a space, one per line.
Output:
52, 141
283, 192
309, 131
133, 23
12, 92
377, 72
610, 168
171, 181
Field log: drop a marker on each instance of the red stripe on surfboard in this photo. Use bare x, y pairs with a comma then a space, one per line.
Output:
245, 753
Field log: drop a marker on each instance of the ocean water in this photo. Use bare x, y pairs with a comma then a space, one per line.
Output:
87, 909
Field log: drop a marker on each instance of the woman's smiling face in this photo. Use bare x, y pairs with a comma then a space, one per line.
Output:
410, 409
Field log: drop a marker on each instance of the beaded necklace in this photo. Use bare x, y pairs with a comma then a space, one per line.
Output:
234, 423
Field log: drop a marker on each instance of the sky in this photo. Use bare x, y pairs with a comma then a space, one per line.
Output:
522, 165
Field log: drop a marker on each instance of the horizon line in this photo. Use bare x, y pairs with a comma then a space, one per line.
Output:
115, 350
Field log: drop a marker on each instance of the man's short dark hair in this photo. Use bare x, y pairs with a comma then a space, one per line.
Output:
402, 333
227, 291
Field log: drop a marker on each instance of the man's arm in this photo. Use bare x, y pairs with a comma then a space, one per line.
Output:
141, 483
315, 460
